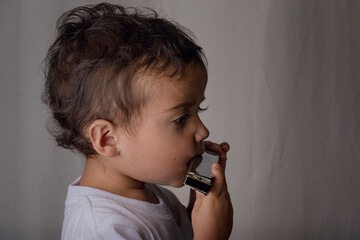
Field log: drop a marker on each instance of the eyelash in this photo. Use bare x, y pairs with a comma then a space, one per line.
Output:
181, 120
202, 109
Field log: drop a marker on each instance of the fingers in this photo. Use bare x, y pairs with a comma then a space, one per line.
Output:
225, 146
221, 149
218, 169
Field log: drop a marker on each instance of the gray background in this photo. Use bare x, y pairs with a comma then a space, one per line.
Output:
283, 90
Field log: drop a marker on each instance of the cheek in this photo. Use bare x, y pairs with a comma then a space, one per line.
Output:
176, 143
167, 142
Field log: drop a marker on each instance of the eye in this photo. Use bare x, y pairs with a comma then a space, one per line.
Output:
181, 120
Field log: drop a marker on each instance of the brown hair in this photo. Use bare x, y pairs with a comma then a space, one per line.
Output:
91, 67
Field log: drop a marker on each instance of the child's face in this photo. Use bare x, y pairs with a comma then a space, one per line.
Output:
170, 133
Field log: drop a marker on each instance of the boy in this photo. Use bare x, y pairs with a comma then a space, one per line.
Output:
125, 90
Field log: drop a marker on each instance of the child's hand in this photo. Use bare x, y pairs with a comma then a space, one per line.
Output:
212, 215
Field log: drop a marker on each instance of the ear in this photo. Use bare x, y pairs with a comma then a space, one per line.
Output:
103, 137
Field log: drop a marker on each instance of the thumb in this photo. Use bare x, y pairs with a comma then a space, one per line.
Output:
219, 182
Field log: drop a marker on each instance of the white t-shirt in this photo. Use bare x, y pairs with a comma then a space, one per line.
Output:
95, 214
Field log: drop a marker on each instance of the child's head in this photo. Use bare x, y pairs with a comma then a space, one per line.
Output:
95, 68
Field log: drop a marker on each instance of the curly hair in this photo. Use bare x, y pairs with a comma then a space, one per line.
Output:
91, 68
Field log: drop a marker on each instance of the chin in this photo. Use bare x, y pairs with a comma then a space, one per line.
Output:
178, 183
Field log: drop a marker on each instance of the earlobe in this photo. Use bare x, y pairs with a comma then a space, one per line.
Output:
103, 137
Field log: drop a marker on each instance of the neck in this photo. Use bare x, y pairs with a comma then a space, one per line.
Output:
99, 175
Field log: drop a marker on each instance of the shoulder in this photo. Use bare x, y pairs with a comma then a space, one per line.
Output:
95, 214
78, 221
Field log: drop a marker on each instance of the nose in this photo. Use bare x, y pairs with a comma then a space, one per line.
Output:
201, 132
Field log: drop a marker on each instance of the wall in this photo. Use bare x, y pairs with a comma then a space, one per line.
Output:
283, 91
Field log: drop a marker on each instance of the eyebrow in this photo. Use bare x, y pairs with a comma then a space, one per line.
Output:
183, 105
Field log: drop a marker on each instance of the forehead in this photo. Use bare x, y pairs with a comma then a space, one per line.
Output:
166, 91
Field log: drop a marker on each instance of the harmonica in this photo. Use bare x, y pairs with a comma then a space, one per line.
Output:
199, 177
